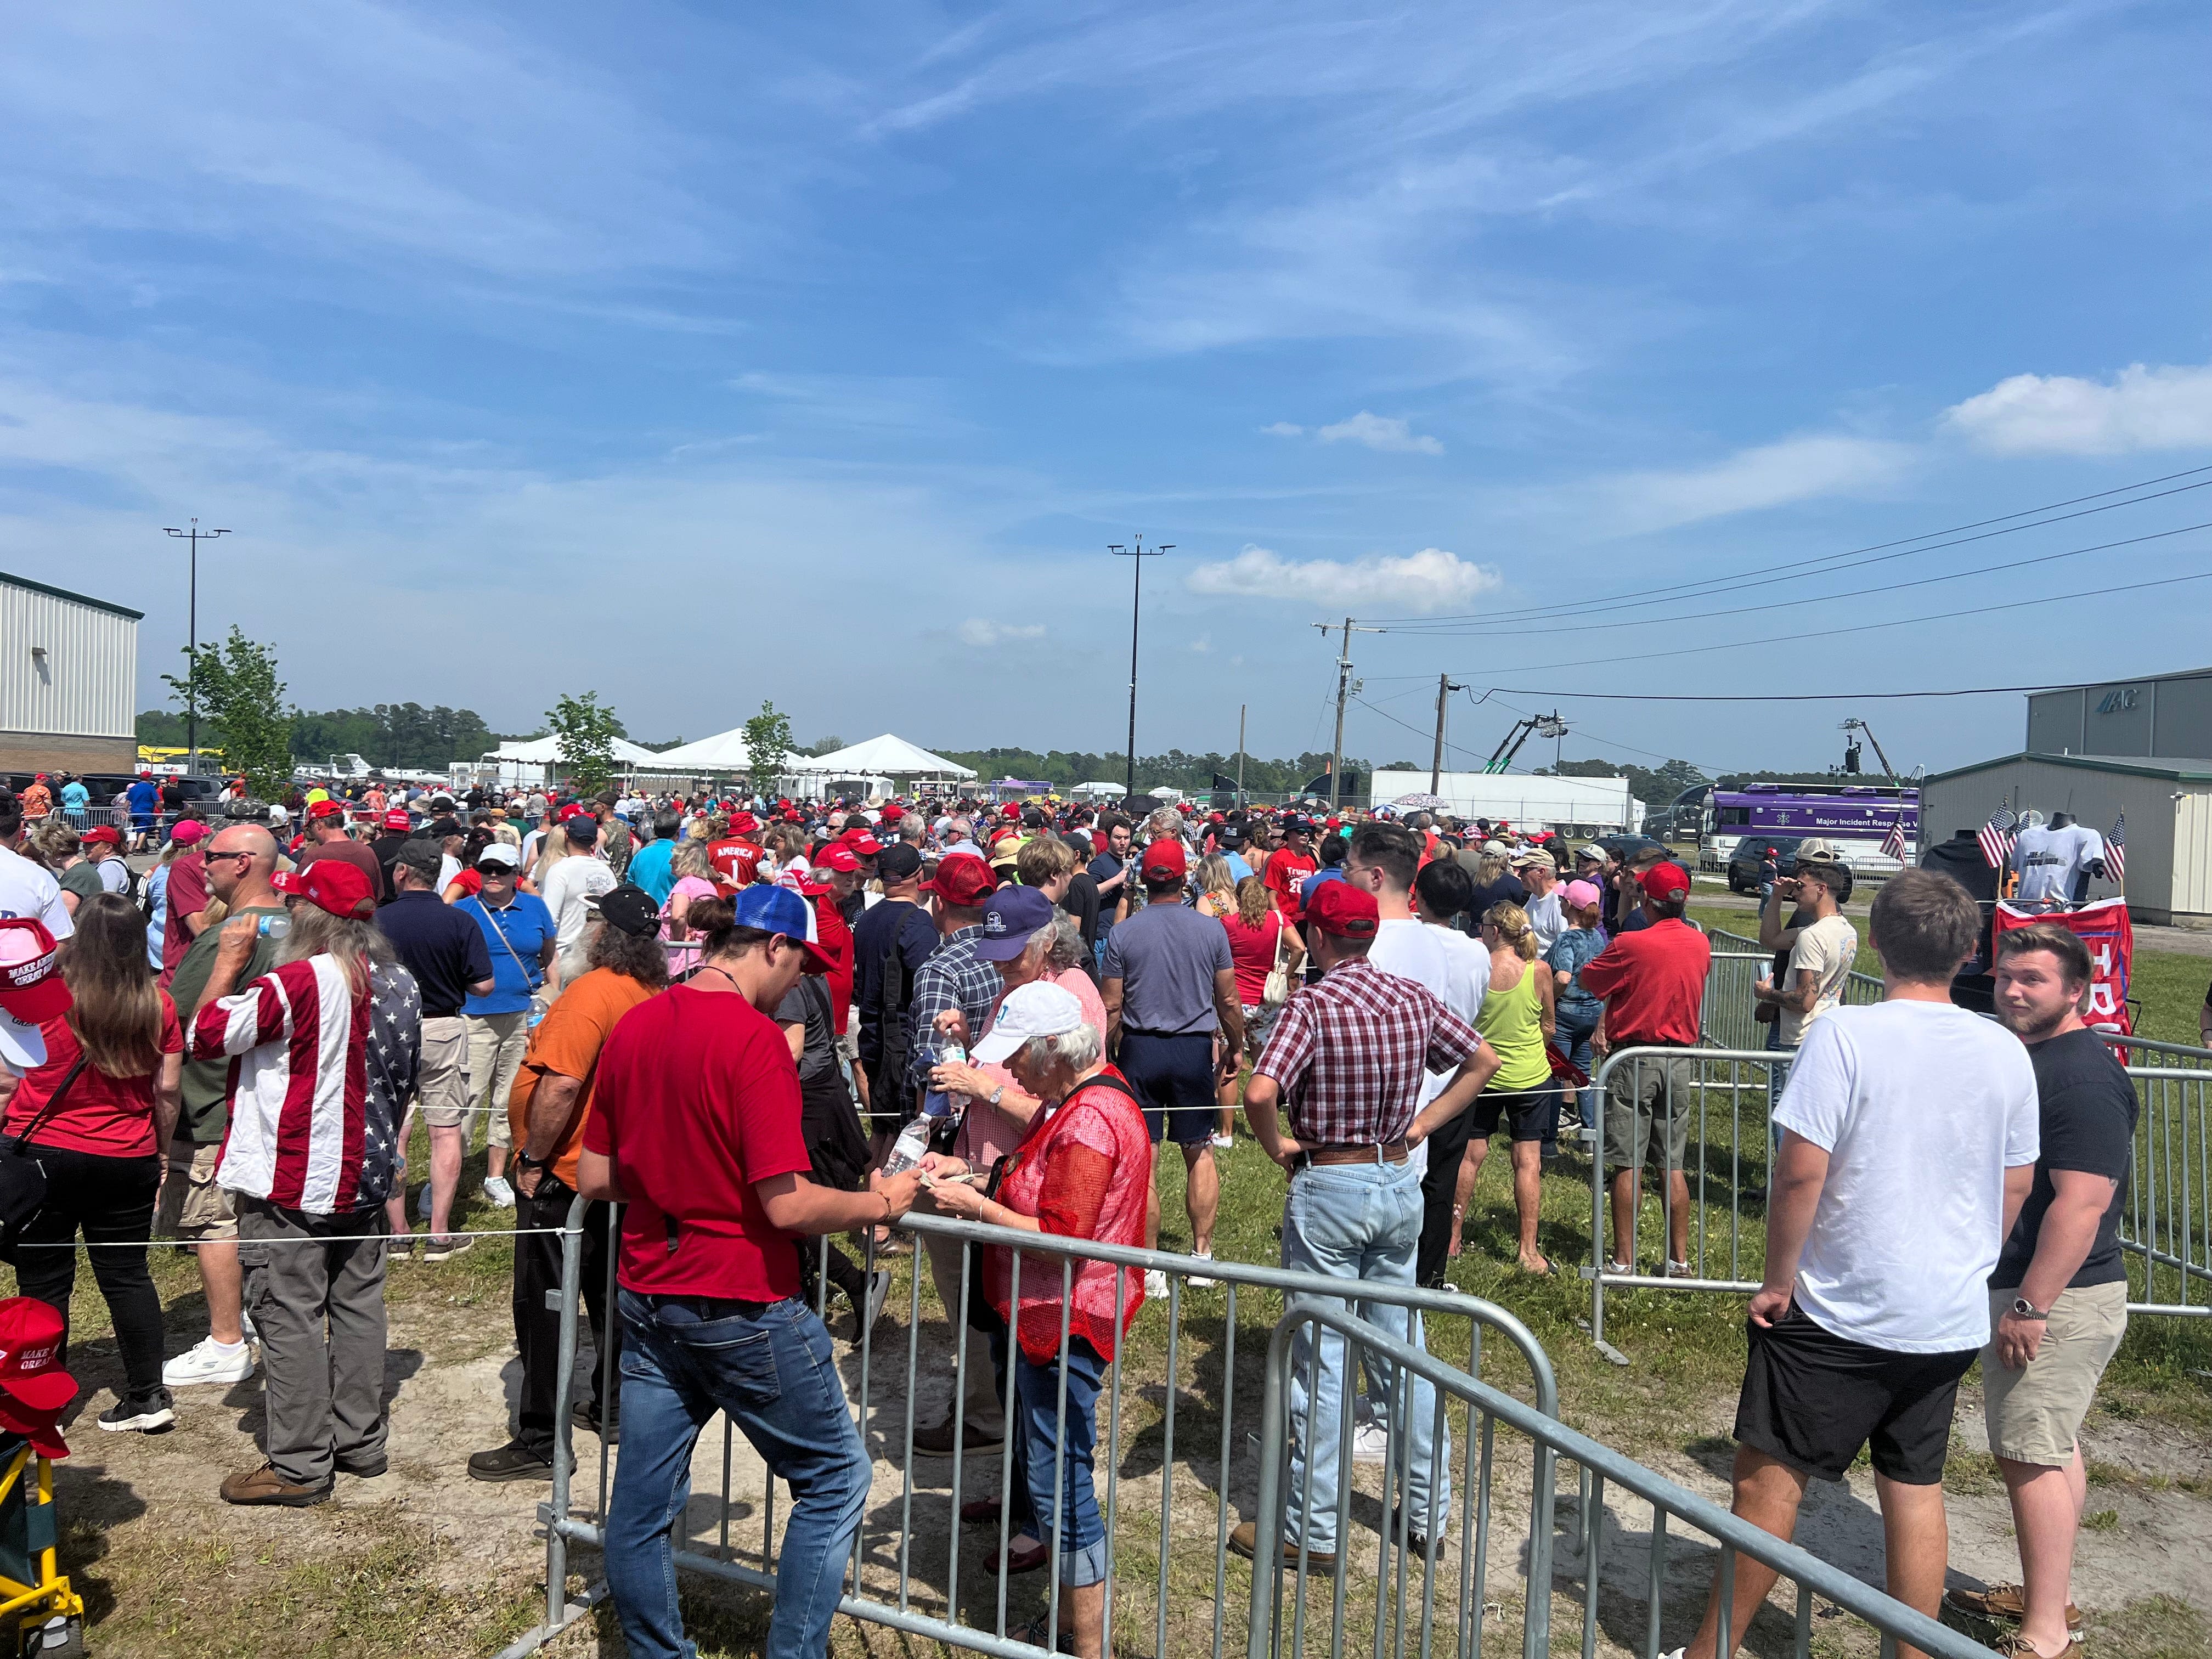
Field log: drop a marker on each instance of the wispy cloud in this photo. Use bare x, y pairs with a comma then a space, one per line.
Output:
2138, 409
1382, 432
982, 632
1768, 475
1427, 580
1283, 429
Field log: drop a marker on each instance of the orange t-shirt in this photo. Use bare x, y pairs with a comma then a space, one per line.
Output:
568, 1040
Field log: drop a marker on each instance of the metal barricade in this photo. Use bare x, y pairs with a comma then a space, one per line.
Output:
1167, 1514
1600, 1468
2166, 1222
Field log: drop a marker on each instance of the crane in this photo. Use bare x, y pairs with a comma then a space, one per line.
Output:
1535, 725
1851, 750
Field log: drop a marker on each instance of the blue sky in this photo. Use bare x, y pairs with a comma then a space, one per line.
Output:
697, 354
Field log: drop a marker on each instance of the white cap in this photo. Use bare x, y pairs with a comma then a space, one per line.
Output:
498, 852
22, 1046
1039, 1009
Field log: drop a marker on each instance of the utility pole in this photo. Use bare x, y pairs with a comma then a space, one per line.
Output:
1139, 553
195, 535
1444, 689
1241, 709
1345, 687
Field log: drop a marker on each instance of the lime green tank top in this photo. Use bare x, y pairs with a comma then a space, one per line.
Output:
1512, 1022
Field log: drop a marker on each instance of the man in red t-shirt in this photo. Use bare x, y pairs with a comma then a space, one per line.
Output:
186, 897
1653, 984
695, 1125
736, 859
1291, 864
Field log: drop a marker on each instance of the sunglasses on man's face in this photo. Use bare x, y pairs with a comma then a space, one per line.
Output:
234, 853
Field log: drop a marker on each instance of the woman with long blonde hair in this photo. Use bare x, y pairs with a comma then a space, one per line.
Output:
1215, 885
97, 1114
1517, 1018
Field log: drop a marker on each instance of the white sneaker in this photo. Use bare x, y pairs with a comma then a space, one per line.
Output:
498, 1192
1371, 1443
205, 1362
1223, 1143
1156, 1284
1197, 1281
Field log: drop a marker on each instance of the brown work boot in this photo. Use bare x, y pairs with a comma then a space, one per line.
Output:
264, 1486
1245, 1540
2007, 1603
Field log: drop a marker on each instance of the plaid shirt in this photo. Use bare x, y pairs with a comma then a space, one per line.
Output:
1351, 1053
954, 977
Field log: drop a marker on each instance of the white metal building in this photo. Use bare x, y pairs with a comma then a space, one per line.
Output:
2167, 801
68, 674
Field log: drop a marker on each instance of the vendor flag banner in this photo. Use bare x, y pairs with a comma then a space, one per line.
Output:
2104, 928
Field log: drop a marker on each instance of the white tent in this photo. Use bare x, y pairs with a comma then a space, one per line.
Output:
884, 756
546, 752
724, 752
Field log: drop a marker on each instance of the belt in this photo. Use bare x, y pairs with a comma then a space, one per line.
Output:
1388, 1152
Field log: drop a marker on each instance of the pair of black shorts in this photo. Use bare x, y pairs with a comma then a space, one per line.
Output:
1173, 1075
1528, 1114
1812, 1399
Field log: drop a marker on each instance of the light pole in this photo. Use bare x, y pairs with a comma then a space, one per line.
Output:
1139, 553
195, 535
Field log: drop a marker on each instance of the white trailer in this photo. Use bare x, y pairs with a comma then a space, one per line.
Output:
1574, 806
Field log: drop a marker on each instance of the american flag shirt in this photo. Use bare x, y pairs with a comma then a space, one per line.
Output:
317, 1080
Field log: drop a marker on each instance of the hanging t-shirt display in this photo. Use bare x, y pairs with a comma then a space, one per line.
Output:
2104, 928
2049, 860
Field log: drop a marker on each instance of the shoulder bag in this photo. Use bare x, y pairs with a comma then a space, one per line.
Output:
22, 1177
539, 1001
1277, 991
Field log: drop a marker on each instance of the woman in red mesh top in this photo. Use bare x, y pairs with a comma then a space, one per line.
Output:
1082, 1171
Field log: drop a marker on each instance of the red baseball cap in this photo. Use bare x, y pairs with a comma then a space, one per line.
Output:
31, 1372
743, 824
839, 857
1338, 908
1662, 880
325, 809
863, 843
398, 819
330, 884
1165, 858
962, 879
103, 832
30, 987
187, 832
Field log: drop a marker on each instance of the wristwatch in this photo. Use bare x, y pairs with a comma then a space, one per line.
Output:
998, 1094
524, 1161
2023, 1308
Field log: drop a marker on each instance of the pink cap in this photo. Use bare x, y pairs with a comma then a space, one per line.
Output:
1582, 894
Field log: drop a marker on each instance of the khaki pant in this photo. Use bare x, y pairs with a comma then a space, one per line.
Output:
193, 1207
497, 1045
441, 1081
2035, 1413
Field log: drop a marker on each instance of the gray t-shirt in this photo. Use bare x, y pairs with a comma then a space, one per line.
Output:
1166, 956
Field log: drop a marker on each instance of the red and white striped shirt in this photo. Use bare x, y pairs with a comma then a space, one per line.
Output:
298, 1041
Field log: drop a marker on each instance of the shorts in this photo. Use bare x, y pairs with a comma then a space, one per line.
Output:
1173, 1076
193, 1208
1528, 1113
2035, 1414
1642, 1094
1259, 1020
1812, 1399
441, 1080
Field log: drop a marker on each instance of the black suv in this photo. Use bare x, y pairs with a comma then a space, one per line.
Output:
1743, 871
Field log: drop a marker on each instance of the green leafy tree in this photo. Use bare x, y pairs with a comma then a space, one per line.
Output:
241, 707
767, 742
585, 730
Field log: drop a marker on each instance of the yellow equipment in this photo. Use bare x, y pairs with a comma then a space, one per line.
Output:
38, 1610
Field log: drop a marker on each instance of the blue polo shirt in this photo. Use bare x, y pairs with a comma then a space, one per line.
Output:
648, 868
516, 937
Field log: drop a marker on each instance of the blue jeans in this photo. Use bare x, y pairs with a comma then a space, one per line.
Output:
684, 1358
1035, 1427
1357, 1221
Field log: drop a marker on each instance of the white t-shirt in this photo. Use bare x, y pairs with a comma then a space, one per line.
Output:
28, 890
1546, 920
569, 885
115, 876
1411, 949
2048, 859
1922, 1108
1824, 949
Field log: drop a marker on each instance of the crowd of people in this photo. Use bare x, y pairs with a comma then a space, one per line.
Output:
759, 1026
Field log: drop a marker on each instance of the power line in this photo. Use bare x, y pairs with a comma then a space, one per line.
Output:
1786, 696
1863, 628
1763, 576
1820, 598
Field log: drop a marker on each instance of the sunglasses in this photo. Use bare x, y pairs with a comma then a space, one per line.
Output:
234, 854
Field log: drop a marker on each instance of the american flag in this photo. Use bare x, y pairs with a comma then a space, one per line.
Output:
1893, 844
2116, 848
1996, 836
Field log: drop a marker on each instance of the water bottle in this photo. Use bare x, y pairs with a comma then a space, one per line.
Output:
934, 1104
907, 1150
272, 926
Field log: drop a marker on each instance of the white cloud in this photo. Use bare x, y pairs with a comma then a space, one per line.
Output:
2164, 407
1283, 429
980, 632
1431, 580
1770, 475
1203, 644
1382, 432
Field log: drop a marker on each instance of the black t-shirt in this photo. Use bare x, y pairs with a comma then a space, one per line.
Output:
1081, 902
1508, 889
2087, 1111
442, 947
808, 1005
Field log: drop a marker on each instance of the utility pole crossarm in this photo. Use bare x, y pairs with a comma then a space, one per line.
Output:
1343, 694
